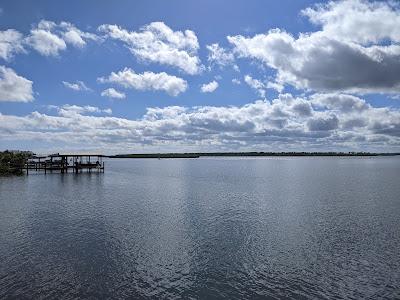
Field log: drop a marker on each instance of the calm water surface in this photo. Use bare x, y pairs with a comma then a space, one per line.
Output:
284, 228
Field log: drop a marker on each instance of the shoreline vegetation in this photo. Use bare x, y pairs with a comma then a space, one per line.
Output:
245, 154
13, 162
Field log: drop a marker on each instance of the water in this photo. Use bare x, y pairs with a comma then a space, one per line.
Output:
285, 228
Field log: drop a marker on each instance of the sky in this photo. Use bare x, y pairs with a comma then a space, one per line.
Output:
181, 76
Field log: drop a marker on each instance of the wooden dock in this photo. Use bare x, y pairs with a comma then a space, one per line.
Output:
63, 163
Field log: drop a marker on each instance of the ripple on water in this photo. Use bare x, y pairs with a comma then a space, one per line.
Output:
294, 228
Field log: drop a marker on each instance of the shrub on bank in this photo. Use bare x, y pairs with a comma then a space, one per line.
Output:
12, 162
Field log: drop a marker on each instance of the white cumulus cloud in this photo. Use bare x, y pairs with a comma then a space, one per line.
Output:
147, 81
209, 87
220, 56
357, 21
11, 42
255, 84
356, 51
319, 122
14, 88
49, 38
76, 86
45, 42
113, 93
236, 81
68, 110
261, 86
158, 43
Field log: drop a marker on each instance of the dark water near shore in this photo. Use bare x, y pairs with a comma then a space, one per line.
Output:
286, 228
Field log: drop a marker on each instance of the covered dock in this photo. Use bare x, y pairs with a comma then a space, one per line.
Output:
63, 163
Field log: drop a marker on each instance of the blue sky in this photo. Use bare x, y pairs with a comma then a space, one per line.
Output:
285, 75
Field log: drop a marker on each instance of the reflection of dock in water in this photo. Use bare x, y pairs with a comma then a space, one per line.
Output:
76, 163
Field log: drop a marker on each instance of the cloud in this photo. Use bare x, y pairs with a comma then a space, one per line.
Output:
209, 87
49, 38
11, 42
261, 86
77, 86
14, 88
147, 81
74, 36
340, 102
220, 56
275, 86
342, 57
158, 43
330, 122
67, 110
113, 93
45, 42
357, 21
236, 81
285, 123
255, 84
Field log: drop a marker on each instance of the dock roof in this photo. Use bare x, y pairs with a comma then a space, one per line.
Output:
76, 155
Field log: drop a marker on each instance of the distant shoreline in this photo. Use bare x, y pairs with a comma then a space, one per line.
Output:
246, 154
